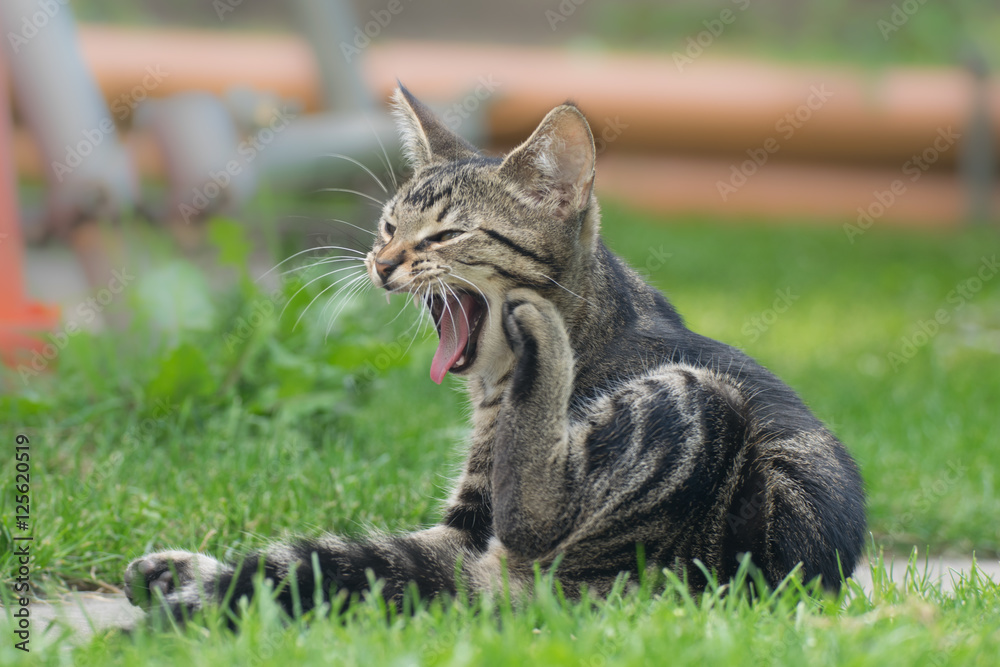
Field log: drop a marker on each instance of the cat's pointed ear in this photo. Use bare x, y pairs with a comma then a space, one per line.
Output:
555, 166
425, 138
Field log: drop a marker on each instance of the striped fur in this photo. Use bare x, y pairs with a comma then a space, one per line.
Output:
601, 423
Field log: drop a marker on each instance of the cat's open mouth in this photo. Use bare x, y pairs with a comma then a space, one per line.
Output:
458, 317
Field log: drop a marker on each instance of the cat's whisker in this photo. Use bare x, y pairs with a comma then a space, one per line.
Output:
344, 296
465, 315
330, 221
328, 260
407, 298
299, 291
378, 202
387, 162
426, 314
399, 288
302, 252
367, 170
355, 289
558, 284
418, 324
351, 224
406, 302
347, 235
345, 302
447, 306
489, 313
342, 269
426, 319
352, 279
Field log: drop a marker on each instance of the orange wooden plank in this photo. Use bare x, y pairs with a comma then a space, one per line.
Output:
863, 197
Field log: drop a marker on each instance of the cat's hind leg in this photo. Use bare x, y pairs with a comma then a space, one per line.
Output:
303, 571
183, 580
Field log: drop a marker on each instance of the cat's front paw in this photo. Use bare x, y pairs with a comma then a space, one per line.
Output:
184, 581
537, 336
530, 320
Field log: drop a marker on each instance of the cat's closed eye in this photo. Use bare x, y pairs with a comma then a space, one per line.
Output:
445, 236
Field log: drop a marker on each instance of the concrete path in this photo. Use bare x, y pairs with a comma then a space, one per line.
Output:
943, 570
81, 614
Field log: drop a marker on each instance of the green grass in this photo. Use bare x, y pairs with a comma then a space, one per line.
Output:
222, 437
905, 624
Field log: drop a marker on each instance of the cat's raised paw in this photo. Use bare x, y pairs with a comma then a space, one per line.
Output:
521, 316
533, 325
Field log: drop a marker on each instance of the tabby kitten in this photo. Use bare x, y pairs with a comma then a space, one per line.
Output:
601, 422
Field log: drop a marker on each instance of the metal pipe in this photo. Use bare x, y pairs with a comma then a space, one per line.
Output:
89, 172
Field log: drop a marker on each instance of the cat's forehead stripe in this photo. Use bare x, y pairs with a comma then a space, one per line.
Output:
427, 193
439, 181
444, 209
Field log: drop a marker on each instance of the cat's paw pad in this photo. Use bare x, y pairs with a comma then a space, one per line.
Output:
515, 319
171, 575
530, 318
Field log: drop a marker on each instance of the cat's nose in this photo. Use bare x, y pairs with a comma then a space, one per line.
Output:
384, 267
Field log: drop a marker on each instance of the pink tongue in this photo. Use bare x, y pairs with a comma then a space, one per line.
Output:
454, 335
